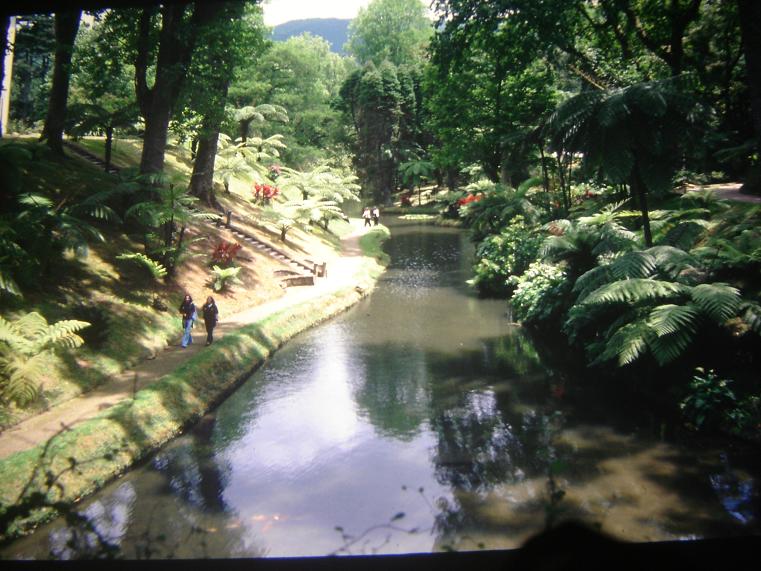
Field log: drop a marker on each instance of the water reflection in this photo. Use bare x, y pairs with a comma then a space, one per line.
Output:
420, 420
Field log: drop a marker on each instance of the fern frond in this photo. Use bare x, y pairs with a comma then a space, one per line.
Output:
637, 264
751, 314
7, 284
10, 334
31, 326
157, 270
627, 344
553, 244
672, 261
666, 348
720, 301
635, 291
670, 319
63, 334
591, 280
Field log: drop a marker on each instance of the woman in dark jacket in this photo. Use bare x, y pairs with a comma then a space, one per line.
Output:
210, 318
188, 312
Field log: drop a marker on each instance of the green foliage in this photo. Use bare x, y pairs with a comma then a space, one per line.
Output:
390, 30
647, 301
164, 215
539, 292
25, 344
506, 254
156, 270
581, 243
223, 277
33, 61
303, 76
711, 404
497, 207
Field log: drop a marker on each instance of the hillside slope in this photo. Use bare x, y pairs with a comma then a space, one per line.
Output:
116, 296
334, 30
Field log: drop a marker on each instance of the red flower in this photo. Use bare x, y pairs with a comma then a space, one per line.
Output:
470, 198
265, 192
224, 253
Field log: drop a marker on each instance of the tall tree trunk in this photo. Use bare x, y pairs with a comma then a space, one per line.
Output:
640, 190
109, 144
5, 22
171, 68
66, 26
202, 180
750, 27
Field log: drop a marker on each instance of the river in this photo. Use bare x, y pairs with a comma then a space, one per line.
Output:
421, 420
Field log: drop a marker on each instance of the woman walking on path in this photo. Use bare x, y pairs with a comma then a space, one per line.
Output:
188, 312
210, 318
366, 215
376, 215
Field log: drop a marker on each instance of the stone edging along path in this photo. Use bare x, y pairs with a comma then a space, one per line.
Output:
78, 460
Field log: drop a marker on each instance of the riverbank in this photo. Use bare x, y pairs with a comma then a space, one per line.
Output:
48, 478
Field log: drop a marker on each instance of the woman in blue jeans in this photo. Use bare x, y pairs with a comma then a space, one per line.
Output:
188, 312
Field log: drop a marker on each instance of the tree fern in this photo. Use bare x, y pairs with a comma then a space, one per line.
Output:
635, 291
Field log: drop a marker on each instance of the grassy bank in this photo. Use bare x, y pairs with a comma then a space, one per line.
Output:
37, 484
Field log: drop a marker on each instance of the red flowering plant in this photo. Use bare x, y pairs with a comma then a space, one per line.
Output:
263, 193
469, 198
224, 253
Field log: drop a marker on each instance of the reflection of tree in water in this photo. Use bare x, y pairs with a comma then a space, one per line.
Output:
484, 442
480, 444
394, 395
513, 352
188, 519
193, 471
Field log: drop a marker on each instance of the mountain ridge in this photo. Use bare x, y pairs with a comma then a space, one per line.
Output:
333, 30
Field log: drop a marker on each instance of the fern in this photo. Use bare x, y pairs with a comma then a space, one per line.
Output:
222, 277
720, 301
627, 344
24, 344
751, 314
637, 264
7, 284
157, 270
671, 319
635, 291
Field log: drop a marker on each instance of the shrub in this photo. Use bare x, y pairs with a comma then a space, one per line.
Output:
263, 193
223, 277
504, 255
224, 253
712, 404
539, 293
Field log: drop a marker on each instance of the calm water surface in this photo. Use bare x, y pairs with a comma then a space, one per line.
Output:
421, 420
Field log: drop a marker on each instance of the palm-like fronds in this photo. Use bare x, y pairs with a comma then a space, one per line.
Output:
634, 291
222, 277
718, 300
24, 345
157, 270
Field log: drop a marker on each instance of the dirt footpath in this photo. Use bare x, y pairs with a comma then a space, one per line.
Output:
342, 272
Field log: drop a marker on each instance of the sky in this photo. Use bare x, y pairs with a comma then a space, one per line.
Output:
279, 11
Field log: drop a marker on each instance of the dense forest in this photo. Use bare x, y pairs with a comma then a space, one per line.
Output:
574, 139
